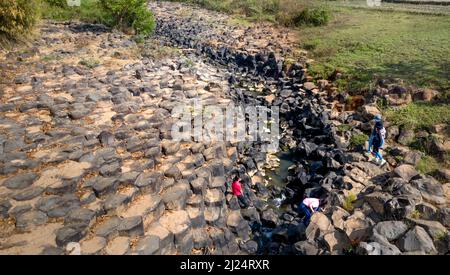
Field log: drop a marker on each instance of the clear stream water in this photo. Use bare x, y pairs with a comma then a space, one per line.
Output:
278, 176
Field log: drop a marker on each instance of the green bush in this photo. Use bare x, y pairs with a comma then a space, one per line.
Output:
358, 140
144, 23
316, 16
349, 202
129, 13
17, 17
344, 128
415, 214
57, 3
90, 63
427, 165
440, 235
122, 14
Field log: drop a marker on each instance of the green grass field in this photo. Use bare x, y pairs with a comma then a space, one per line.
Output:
370, 44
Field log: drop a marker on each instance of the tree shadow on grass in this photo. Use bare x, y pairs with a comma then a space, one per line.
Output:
417, 73
88, 27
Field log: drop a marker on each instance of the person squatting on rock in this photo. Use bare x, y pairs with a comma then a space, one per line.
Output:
236, 188
376, 141
309, 206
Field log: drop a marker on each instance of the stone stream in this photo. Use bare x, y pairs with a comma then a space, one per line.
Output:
87, 160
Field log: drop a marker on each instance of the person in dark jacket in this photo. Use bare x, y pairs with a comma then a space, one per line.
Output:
376, 141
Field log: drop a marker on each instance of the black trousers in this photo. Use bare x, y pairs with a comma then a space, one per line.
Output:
243, 202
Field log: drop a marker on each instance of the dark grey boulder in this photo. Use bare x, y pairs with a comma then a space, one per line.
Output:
392, 230
79, 216
20, 181
148, 245
29, 219
306, 248
4, 208
70, 233
109, 227
417, 240
18, 210
28, 193
131, 227
104, 186
270, 218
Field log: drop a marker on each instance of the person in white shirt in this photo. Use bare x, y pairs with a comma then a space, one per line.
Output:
309, 206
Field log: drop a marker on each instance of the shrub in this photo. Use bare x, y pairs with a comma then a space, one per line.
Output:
349, 202
316, 16
358, 140
298, 13
122, 14
129, 13
440, 235
144, 22
17, 17
415, 214
57, 3
427, 165
90, 63
344, 128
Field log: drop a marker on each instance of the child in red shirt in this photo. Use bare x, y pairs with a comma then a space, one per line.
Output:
236, 188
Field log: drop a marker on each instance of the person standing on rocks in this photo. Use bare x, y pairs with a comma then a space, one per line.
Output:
236, 188
309, 206
376, 141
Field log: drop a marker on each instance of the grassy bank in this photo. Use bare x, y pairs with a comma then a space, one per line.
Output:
367, 45
423, 117
419, 115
